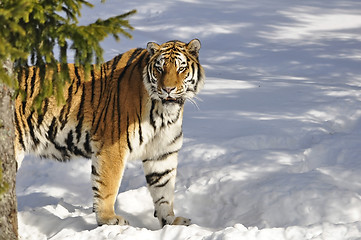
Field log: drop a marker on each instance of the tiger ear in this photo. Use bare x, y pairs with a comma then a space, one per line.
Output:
193, 47
152, 47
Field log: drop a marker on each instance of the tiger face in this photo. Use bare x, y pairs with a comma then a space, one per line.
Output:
173, 73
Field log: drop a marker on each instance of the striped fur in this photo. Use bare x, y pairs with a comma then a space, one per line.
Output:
131, 108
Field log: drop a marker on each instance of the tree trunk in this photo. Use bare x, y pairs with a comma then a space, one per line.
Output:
8, 204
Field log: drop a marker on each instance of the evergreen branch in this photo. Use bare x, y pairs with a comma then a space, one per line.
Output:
34, 27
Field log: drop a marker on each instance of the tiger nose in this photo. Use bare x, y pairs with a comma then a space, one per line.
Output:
169, 89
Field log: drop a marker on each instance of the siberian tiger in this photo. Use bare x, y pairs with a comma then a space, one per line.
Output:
130, 108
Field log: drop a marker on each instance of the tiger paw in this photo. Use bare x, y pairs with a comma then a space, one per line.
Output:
182, 221
115, 220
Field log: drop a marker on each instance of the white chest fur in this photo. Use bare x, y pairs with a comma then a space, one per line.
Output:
161, 132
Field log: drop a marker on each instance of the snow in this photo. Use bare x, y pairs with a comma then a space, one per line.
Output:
271, 152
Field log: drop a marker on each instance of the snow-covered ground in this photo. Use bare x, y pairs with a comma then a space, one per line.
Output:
274, 150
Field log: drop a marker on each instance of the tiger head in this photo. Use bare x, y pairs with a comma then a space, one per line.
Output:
173, 73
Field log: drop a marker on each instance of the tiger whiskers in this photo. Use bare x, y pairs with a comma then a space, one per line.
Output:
194, 102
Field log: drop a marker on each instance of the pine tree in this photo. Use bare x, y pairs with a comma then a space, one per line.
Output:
30, 30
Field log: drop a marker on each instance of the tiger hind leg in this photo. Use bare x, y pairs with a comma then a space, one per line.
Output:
107, 171
160, 176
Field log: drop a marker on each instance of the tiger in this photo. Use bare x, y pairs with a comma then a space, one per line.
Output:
129, 108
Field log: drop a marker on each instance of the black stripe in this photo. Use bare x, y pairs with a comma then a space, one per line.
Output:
51, 135
177, 137
69, 141
104, 112
66, 108
62, 113
100, 182
140, 132
148, 73
128, 140
160, 199
93, 85
103, 78
32, 84
106, 65
163, 122
119, 114
80, 115
113, 127
52, 131
138, 62
63, 151
31, 129
23, 103
134, 55
78, 82
120, 78
163, 202
22, 76
198, 76
164, 156
79, 152
117, 100
113, 122
152, 122
162, 185
94, 171
140, 129
97, 195
193, 70
115, 64
78, 128
87, 146
71, 147
96, 128
129, 62
43, 112
154, 178
20, 134
140, 67
55, 157
118, 103
27, 80
104, 81
121, 75
164, 222
161, 157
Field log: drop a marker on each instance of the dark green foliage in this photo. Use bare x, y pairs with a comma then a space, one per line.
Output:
30, 29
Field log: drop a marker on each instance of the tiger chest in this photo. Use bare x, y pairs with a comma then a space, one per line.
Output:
161, 134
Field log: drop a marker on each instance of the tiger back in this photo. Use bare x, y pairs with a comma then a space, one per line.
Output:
130, 108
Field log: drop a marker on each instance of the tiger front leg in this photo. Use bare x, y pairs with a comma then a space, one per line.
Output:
160, 176
107, 172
